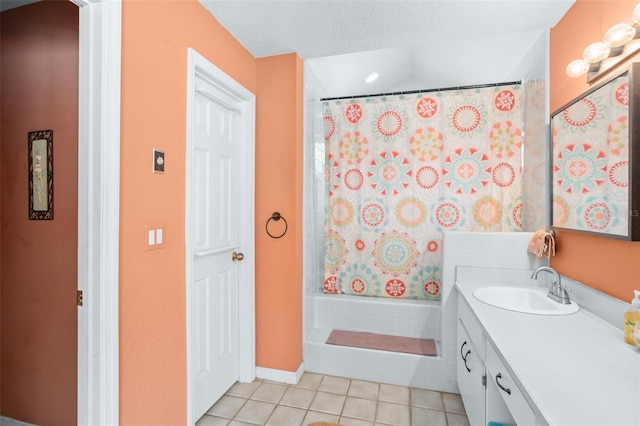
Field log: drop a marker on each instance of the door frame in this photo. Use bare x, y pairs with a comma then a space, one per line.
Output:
98, 210
198, 65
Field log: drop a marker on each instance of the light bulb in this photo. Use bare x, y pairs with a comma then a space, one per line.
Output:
596, 52
577, 68
619, 34
371, 77
636, 14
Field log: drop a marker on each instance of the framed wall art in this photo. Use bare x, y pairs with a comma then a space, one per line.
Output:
40, 153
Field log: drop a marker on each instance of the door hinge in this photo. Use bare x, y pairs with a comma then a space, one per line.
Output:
79, 297
484, 380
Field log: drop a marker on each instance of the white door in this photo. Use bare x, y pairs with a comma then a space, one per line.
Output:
215, 243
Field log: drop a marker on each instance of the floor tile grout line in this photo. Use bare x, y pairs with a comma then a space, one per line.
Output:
315, 393
344, 402
410, 405
375, 418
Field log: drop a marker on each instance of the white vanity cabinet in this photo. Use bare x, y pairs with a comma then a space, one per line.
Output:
488, 392
470, 365
544, 369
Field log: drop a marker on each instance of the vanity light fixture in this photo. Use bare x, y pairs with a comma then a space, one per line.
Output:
620, 41
371, 77
619, 35
596, 52
577, 67
635, 15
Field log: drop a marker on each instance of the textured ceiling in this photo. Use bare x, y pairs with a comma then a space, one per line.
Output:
316, 28
413, 45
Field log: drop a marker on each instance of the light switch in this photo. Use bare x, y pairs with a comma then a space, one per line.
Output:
153, 237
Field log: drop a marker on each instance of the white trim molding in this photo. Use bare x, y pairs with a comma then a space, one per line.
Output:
99, 210
282, 376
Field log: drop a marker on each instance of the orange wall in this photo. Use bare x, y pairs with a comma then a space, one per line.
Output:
155, 38
39, 61
608, 265
279, 188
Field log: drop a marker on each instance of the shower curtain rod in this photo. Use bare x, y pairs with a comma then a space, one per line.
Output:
410, 92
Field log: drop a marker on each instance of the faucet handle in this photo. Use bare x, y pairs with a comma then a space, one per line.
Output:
563, 294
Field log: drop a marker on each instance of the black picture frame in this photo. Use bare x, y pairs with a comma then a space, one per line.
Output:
40, 161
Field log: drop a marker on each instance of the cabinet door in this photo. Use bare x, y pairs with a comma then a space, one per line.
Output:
507, 390
471, 372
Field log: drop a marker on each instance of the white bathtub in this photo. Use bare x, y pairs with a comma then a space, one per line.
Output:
411, 318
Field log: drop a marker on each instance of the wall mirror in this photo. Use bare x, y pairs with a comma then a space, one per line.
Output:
595, 164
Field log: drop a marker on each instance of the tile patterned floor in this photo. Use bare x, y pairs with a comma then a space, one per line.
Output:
320, 398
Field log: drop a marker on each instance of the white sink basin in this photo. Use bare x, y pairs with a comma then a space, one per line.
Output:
521, 299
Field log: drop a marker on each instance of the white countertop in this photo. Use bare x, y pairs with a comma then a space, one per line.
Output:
573, 369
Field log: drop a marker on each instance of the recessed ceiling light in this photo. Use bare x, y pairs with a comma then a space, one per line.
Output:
371, 77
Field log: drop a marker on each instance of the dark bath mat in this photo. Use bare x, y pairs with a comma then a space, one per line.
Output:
383, 342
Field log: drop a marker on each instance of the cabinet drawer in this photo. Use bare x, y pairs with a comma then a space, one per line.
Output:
517, 405
472, 326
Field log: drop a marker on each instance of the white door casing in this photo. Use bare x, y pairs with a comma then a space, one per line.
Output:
219, 220
98, 210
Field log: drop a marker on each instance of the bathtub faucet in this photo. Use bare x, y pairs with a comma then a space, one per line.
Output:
557, 291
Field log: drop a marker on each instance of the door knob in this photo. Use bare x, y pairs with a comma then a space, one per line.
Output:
237, 257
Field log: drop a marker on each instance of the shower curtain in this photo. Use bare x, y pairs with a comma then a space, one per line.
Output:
402, 169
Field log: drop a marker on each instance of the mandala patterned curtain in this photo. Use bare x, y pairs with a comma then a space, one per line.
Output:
402, 169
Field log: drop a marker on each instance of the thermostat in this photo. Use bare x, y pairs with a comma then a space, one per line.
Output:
158, 161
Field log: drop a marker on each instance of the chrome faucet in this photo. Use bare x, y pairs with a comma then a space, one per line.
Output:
557, 291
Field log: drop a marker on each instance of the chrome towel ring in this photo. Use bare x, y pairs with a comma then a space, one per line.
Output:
275, 216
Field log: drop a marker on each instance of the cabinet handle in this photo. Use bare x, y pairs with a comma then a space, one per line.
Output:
462, 348
499, 376
464, 357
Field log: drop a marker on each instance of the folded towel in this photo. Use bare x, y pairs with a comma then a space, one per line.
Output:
542, 244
